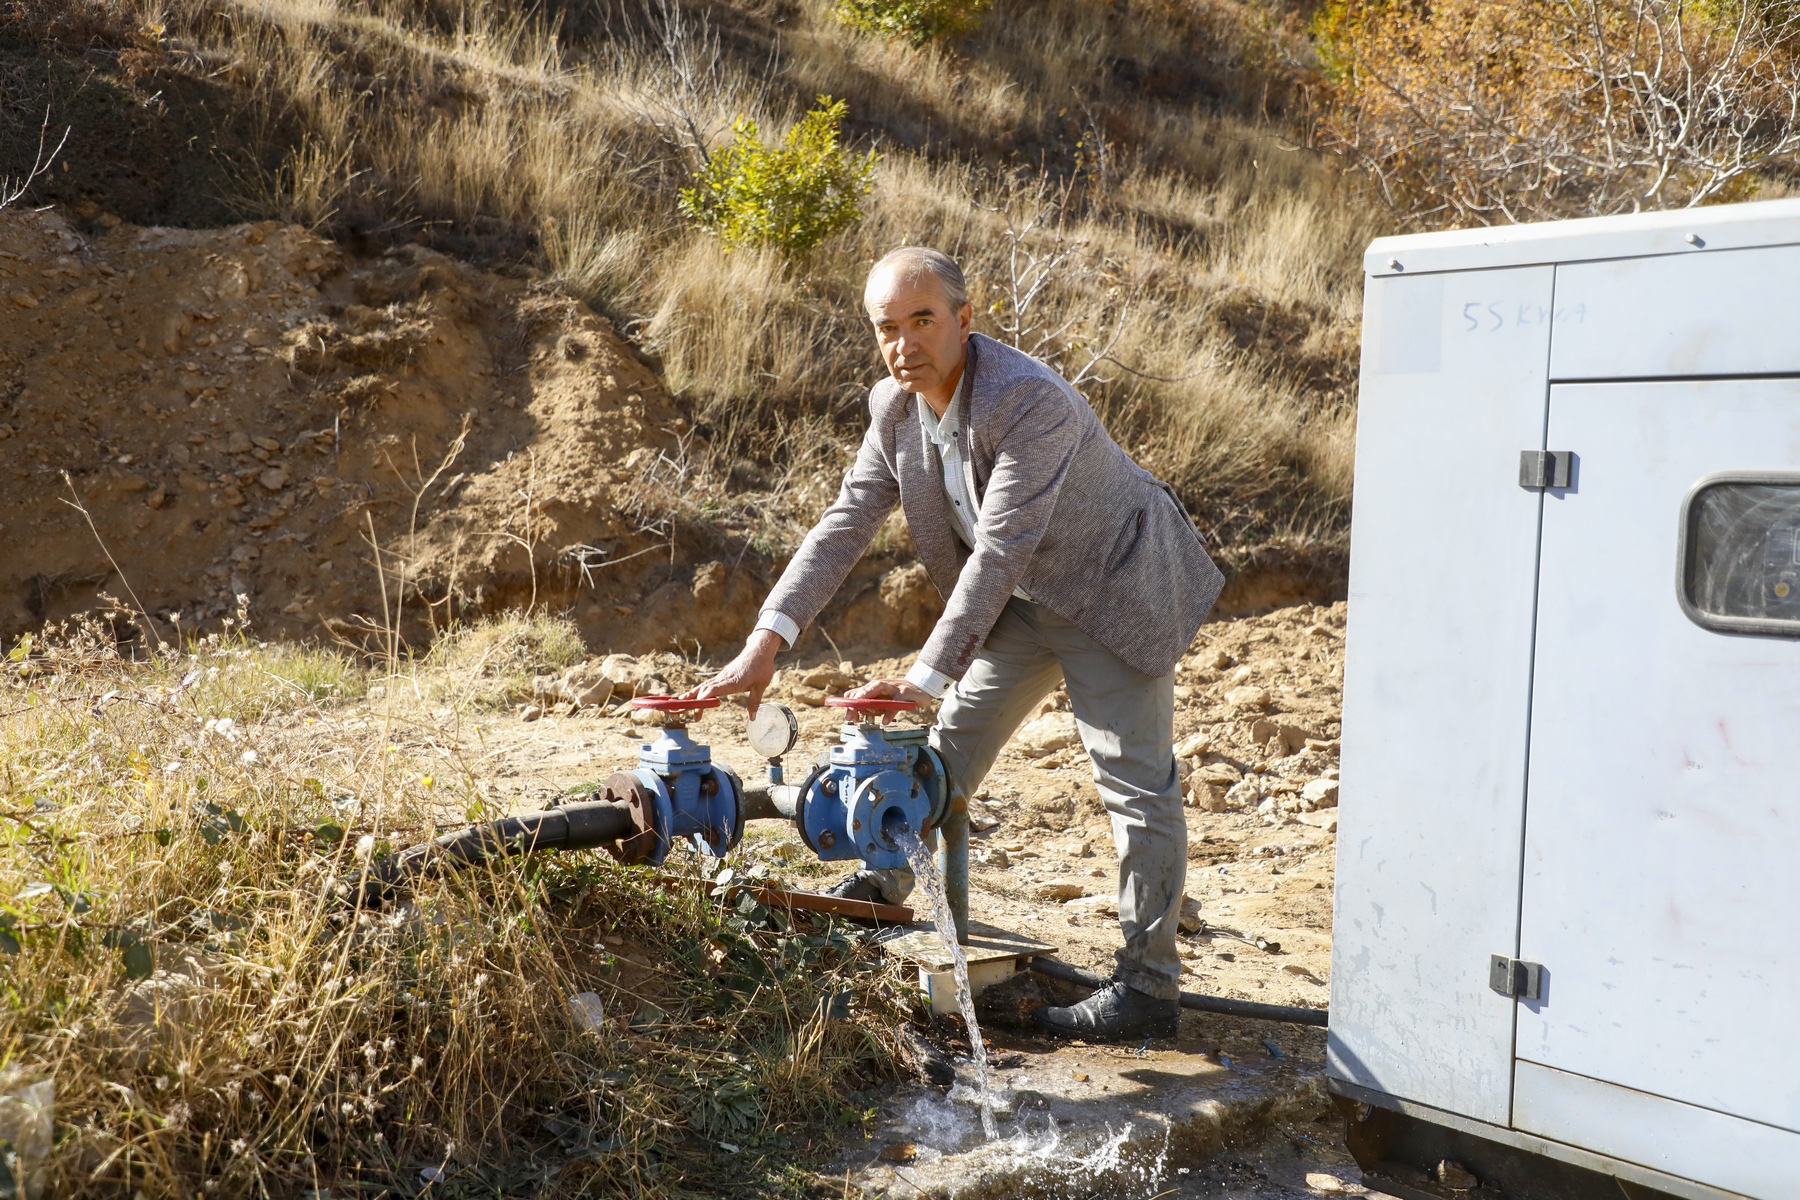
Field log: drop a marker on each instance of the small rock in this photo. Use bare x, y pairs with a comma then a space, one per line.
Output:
1099, 906
1326, 820
1190, 920
1048, 733
274, 479
1322, 745
1207, 797
1012, 847
1455, 1177
586, 685
238, 443
899, 1152
1220, 660
997, 858
1012, 1001
833, 681
982, 822
1223, 774
530, 712
1193, 746
266, 443
1248, 697
1059, 890
1242, 794
1322, 793
23, 299
1331, 1185
1079, 1076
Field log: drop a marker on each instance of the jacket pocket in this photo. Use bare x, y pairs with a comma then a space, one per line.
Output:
1126, 544
1187, 520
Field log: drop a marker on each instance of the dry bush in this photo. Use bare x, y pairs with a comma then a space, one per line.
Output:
216, 1020
487, 120
1468, 112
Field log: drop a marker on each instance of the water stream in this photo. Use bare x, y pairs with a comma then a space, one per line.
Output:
925, 875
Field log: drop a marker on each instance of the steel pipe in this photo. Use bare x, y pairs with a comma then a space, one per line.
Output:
953, 862
770, 802
1212, 1004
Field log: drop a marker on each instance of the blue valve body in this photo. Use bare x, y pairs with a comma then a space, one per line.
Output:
847, 806
695, 798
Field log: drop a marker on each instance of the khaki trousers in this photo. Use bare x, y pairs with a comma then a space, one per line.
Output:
1127, 721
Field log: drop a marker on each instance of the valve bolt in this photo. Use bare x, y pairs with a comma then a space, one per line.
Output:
827, 839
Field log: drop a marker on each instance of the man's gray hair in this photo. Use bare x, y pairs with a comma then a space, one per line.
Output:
910, 262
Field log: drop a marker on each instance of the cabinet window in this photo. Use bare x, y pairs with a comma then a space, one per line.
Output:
1740, 554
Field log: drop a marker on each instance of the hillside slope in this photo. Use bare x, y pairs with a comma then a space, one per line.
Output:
1115, 178
352, 444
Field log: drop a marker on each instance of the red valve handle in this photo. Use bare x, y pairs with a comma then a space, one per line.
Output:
674, 703
871, 704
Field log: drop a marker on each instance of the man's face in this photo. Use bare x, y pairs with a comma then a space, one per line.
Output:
921, 337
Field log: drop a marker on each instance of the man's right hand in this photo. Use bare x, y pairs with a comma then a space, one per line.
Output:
751, 671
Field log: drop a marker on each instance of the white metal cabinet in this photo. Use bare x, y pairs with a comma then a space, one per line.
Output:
1545, 755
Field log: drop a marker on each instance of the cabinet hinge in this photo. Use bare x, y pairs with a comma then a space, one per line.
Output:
1515, 978
1545, 468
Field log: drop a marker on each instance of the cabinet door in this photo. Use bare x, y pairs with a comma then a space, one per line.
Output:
1437, 685
1661, 883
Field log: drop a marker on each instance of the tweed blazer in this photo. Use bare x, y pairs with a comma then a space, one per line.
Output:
1063, 513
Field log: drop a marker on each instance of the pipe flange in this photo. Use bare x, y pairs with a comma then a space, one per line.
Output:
651, 817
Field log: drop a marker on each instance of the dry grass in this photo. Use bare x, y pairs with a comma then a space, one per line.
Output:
194, 813
1218, 261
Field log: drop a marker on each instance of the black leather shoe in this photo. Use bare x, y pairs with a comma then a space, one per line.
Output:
1115, 1013
858, 885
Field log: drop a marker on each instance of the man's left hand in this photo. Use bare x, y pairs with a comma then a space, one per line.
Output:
890, 689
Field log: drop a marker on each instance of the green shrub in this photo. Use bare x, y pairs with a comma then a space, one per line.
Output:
916, 20
793, 196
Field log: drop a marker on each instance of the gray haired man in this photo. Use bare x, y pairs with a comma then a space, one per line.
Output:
1058, 557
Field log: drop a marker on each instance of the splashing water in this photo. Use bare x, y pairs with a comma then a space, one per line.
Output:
925, 874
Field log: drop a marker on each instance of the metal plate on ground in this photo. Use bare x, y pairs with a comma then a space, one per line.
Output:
987, 943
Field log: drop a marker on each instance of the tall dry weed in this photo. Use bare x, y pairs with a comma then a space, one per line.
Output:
182, 966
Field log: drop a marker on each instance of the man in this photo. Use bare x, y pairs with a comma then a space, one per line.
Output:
1058, 557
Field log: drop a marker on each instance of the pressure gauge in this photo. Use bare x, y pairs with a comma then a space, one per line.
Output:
773, 730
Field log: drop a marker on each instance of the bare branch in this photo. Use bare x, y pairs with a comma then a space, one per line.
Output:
13, 189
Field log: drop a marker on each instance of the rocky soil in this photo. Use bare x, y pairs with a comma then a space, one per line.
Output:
1257, 716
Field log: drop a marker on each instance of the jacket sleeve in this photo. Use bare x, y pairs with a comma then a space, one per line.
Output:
837, 542
1031, 462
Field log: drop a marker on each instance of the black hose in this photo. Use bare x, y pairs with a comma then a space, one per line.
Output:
1211, 1004
579, 826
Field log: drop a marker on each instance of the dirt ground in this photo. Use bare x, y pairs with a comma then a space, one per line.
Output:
354, 444
1256, 691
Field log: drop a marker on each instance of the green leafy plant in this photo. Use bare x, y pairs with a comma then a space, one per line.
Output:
918, 21
792, 196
